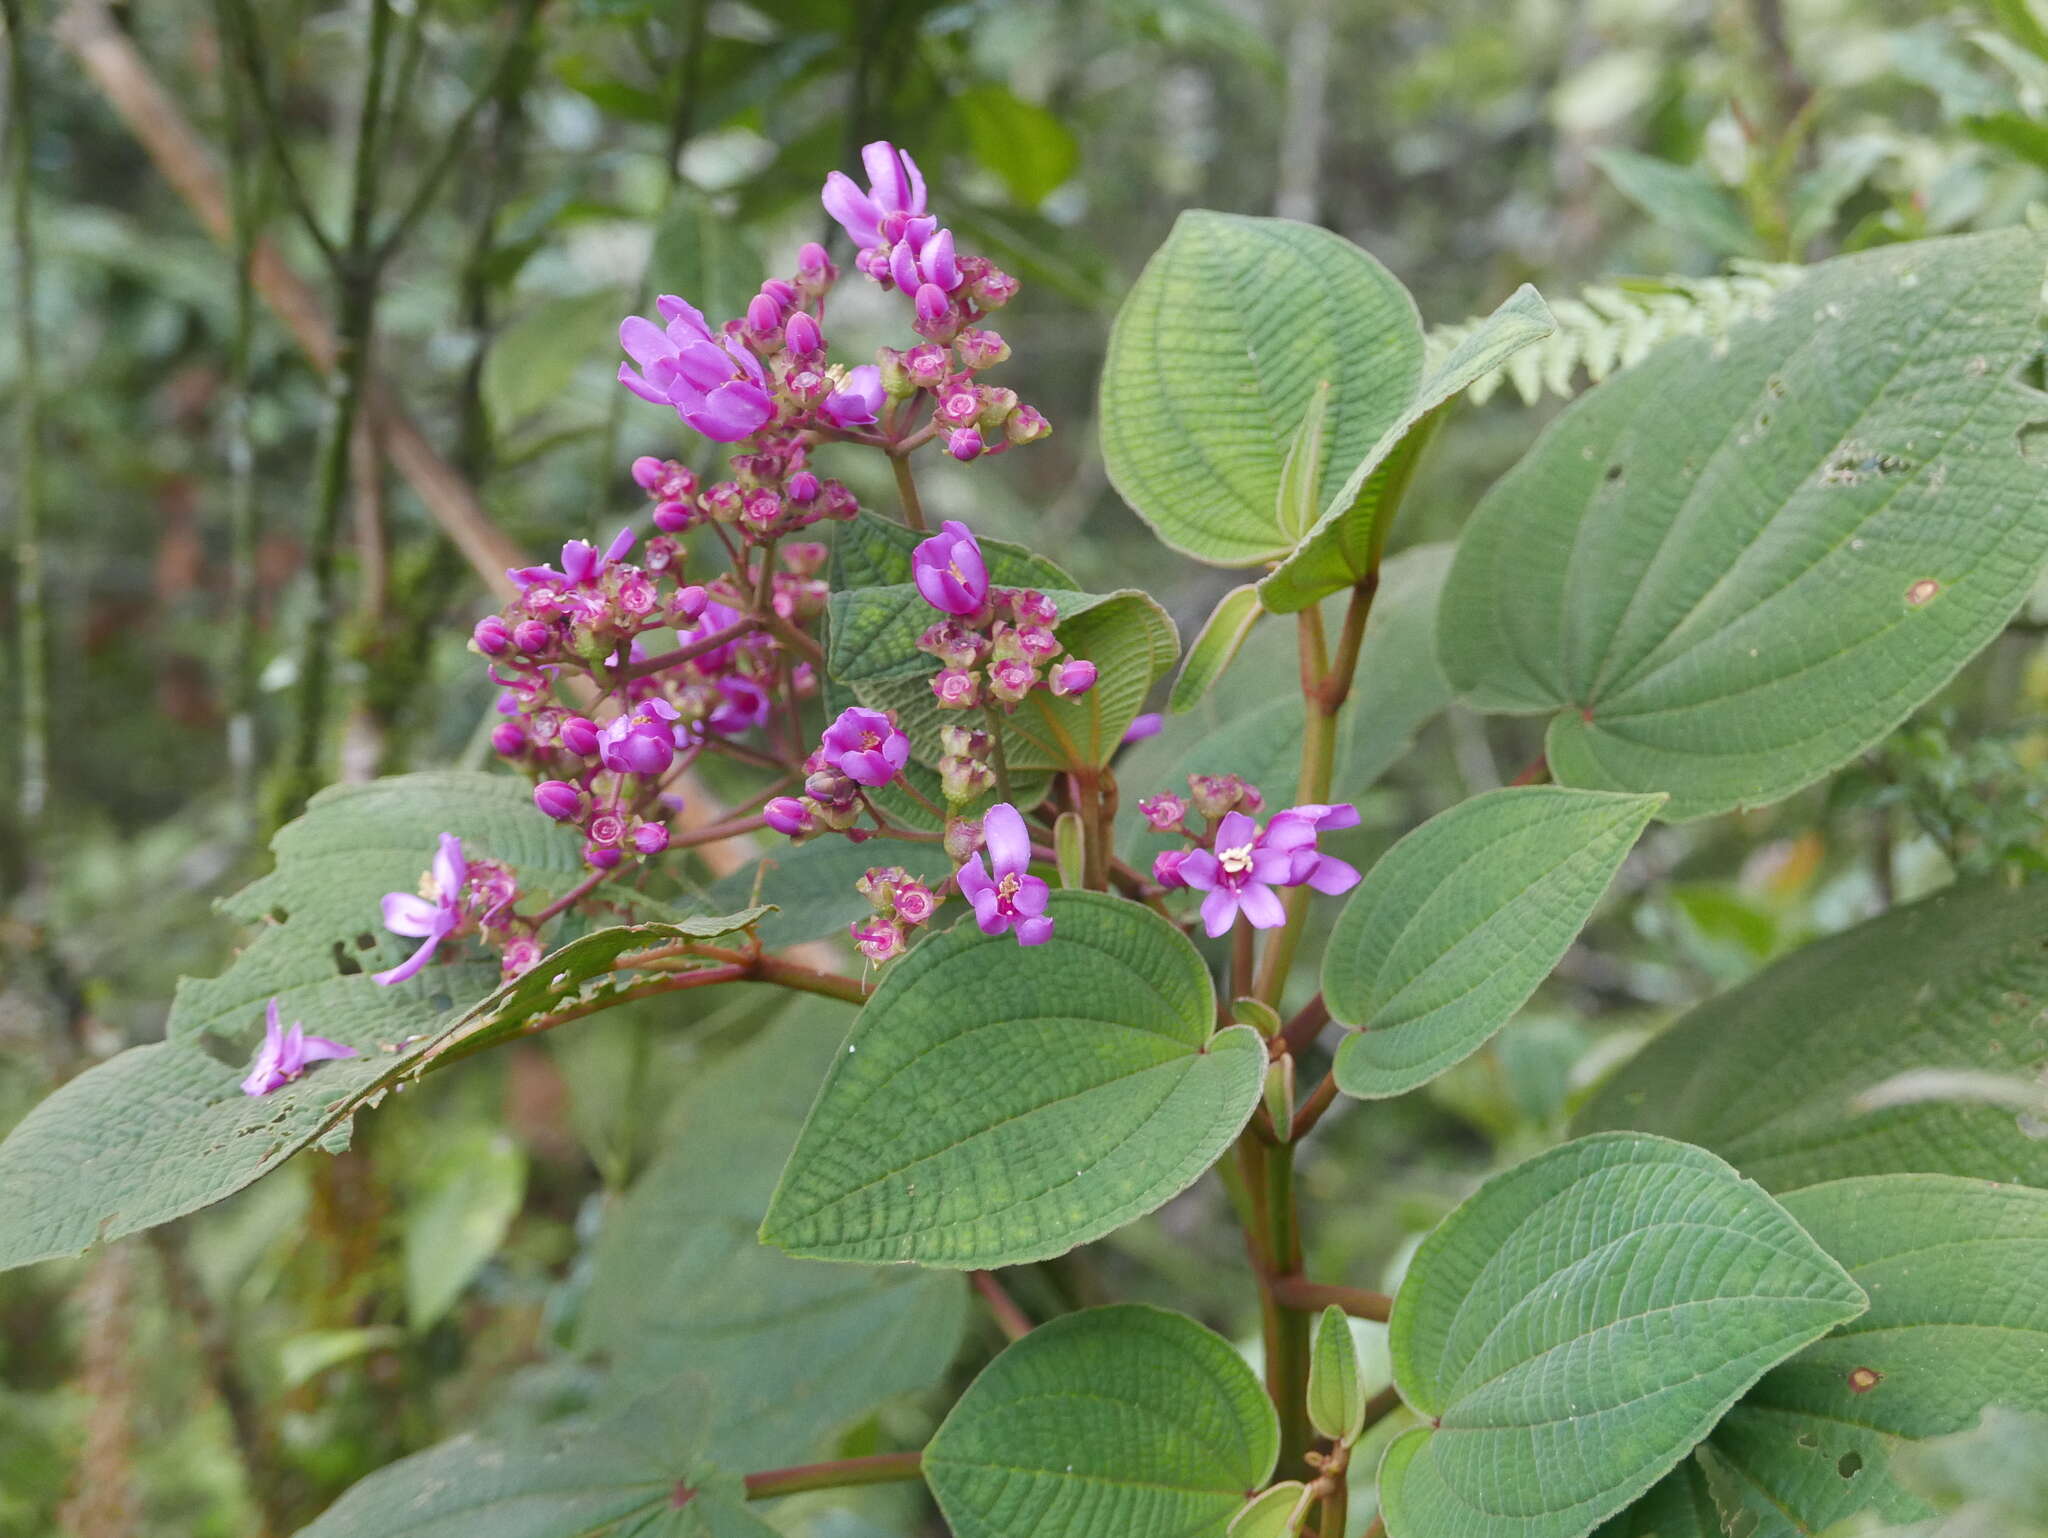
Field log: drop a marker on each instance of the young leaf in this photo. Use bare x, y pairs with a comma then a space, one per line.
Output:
1068, 836
1215, 648
1105, 1424
1731, 568
1343, 545
1958, 1322
1301, 473
791, 1351
1683, 199
1215, 357
1336, 1392
1766, 1074
1275, 1512
604, 1476
1458, 923
1578, 1325
997, 1104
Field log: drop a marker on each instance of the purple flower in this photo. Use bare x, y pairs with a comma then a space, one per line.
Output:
877, 939
430, 916
582, 566
923, 259
715, 385
643, 742
895, 186
789, 816
286, 1054
858, 401
1150, 724
964, 443
1166, 867
1164, 813
1239, 877
712, 617
744, 705
1074, 676
949, 570
558, 799
1011, 897
1294, 831
865, 746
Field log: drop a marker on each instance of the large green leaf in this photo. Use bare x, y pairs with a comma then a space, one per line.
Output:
610, 1476
1573, 1329
1958, 1323
1215, 356
997, 1104
790, 1349
163, 1130
1344, 545
1110, 1423
1765, 1074
1249, 723
1456, 925
1729, 569
1678, 1506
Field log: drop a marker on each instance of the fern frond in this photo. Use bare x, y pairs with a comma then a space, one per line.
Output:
1611, 325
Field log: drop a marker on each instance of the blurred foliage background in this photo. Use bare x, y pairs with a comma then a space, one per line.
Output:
228, 624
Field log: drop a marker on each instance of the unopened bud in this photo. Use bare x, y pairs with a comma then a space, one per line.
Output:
962, 839
558, 799
508, 738
491, 637
964, 443
579, 736
802, 336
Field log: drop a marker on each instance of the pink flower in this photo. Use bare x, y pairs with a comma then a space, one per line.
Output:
789, 816
715, 384
430, 916
1166, 867
865, 746
643, 742
877, 939
1239, 877
558, 799
1164, 813
894, 186
858, 401
956, 688
286, 1054
1074, 676
949, 570
1011, 897
1294, 831
744, 705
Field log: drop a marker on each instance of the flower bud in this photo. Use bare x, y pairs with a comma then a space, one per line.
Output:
522, 954
689, 604
1026, 425
764, 316
1150, 724
878, 939
814, 270
650, 838
959, 405
962, 839
558, 799
964, 443
674, 517
981, 349
1074, 676
1164, 813
1011, 679
1216, 794
723, 501
649, 472
997, 405
781, 294
840, 503
964, 779
789, 816
762, 508
1166, 868
579, 736
965, 741
934, 309
532, 637
508, 738
802, 336
606, 828
805, 557
491, 637
926, 365
830, 789
993, 289
805, 488
956, 688
601, 858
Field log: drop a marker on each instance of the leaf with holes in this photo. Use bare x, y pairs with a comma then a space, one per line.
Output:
997, 1104
1456, 925
1958, 1323
599, 1476
1343, 547
1215, 358
1731, 568
1105, 1424
1574, 1328
792, 1350
1766, 1074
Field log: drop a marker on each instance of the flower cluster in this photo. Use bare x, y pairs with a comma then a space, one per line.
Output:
862, 750
901, 904
458, 896
1238, 864
603, 767
901, 246
996, 644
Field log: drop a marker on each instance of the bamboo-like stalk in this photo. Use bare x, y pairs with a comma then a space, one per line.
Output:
31, 623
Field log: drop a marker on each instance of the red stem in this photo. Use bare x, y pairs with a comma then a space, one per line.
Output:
1014, 1321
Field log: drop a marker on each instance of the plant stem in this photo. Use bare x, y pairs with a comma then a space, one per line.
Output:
31, 636
1336, 1508
876, 1469
627, 672
906, 487
1015, 1323
1299, 1292
1311, 1110
1536, 772
1300, 1032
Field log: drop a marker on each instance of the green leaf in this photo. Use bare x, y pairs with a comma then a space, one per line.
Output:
811, 885
1027, 146
875, 630
1457, 924
703, 255
791, 1350
1728, 570
1214, 649
1683, 199
1574, 1328
1678, 1506
1301, 473
1105, 1424
532, 361
1250, 722
997, 1104
1957, 1324
1343, 546
2016, 132
461, 1206
163, 1130
1275, 1512
1336, 1392
1766, 1074
613, 1476
1215, 357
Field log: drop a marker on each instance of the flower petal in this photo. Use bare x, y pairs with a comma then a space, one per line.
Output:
319, 1049
1219, 911
1200, 870
680, 314
641, 387
1007, 839
1332, 876
1262, 906
1031, 895
854, 210
449, 869
411, 965
1034, 931
974, 879
408, 914
1235, 831
643, 340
